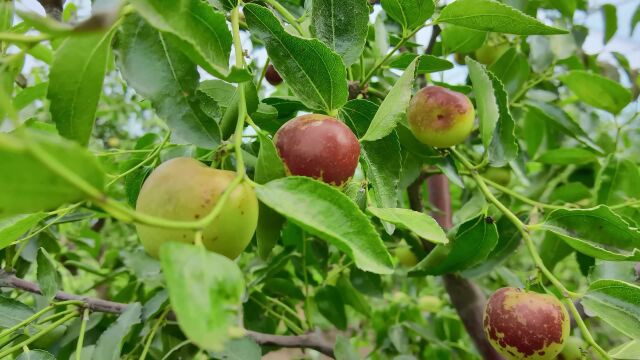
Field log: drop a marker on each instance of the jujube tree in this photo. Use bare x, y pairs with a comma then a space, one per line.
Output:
160, 200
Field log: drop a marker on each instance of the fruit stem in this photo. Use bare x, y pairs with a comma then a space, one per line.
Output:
35, 316
83, 328
522, 198
307, 304
288, 16
263, 73
585, 332
35, 337
480, 181
393, 51
152, 155
152, 333
242, 103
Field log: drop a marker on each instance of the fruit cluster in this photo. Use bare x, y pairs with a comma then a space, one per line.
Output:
313, 145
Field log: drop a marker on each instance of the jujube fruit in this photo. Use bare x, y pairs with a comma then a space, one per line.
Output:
440, 117
525, 325
405, 256
273, 76
184, 189
318, 146
492, 50
501, 176
573, 349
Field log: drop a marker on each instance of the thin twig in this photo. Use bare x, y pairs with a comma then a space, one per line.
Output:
467, 298
310, 341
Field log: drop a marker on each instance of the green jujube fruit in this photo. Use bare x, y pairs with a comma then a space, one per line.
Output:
184, 189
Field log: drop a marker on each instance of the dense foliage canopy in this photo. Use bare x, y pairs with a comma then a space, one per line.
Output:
457, 147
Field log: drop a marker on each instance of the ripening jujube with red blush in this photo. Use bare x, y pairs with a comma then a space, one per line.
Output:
184, 189
318, 146
526, 325
440, 117
273, 76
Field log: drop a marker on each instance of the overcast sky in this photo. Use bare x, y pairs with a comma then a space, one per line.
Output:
622, 42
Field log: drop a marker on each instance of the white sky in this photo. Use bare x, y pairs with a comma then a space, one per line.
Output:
622, 42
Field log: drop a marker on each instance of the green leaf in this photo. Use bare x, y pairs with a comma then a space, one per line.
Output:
381, 37
313, 72
504, 147
610, 16
597, 232
497, 128
486, 103
343, 349
619, 270
224, 4
240, 349
342, 25
13, 312
270, 223
270, 166
512, 68
226, 97
48, 277
617, 182
563, 121
6, 17
110, 342
421, 224
29, 186
567, 156
200, 31
36, 355
458, 39
409, 13
353, 297
553, 250
491, 15
393, 107
635, 19
327, 213
13, 227
28, 95
597, 90
630, 350
617, 303
381, 157
160, 72
426, 63
331, 306
205, 290
75, 83
509, 239
473, 242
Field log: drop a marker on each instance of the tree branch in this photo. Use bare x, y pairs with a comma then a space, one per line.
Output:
435, 32
466, 296
53, 8
310, 341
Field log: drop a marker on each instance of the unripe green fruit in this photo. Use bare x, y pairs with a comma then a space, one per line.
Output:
184, 189
573, 349
429, 303
405, 256
524, 325
502, 176
489, 53
440, 117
